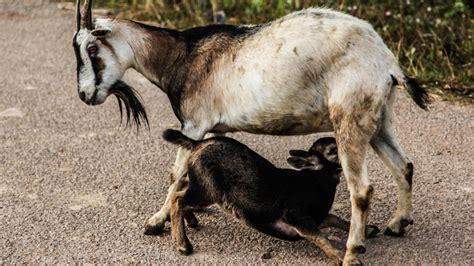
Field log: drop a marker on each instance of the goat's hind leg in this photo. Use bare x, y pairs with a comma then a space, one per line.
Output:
354, 126
386, 146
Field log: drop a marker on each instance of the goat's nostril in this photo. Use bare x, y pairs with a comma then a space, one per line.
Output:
82, 95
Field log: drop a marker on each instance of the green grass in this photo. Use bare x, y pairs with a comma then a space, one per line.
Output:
433, 39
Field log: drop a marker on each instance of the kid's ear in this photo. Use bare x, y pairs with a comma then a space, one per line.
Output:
299, 162
100, 32
299, 153
327, 147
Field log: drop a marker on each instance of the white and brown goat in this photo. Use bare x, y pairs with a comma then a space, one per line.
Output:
284, 203
314, 70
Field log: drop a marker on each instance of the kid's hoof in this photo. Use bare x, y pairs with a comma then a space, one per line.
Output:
339, 258
192, 223
153, 230
191, 220
372, 231
186, 249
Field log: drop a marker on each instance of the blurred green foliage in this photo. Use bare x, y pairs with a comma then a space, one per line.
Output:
433, 39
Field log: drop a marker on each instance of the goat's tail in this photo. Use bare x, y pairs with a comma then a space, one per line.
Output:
178, 138
414, 89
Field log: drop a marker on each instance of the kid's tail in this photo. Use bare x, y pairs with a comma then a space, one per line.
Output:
178, 138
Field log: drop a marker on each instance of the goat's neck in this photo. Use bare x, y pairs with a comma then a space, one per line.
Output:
157, 53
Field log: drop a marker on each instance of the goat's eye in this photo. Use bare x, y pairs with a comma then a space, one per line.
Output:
92, 50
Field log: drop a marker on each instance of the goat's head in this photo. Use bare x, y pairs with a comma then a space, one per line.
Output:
321, 156
102, 59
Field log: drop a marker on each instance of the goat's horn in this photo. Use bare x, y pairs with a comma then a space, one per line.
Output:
87, 15
78, 14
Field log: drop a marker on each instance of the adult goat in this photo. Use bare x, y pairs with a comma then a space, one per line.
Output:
311, 71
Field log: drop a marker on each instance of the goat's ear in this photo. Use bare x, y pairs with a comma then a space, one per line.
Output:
299, 162
100, 32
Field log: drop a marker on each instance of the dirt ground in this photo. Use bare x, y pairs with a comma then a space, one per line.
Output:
76, 187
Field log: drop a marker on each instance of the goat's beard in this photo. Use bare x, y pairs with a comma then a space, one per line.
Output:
135, 111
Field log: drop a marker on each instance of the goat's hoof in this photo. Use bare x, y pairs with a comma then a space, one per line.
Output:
390, 232
153, 230
360, 249
399, 229
406, 222
372, 231
186, 249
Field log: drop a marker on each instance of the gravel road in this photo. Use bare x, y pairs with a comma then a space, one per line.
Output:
76, 187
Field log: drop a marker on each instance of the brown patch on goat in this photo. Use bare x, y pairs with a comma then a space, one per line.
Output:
349, 44
409, 174
202, 62
157, 48
354, 129
172, 178
109, 46
357, 31
342, 127
279, 47
357, 250
363, 201
295, 51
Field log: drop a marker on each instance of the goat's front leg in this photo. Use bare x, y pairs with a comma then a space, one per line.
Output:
156, 223
336, 222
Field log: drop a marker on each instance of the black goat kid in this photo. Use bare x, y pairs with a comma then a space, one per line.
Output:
284, 203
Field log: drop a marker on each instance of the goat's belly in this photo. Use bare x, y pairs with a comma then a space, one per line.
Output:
289, 125
285, 124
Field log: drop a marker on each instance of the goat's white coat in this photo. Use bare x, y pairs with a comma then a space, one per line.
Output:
297, 67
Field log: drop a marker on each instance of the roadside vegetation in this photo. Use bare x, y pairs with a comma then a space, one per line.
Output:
433, 39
